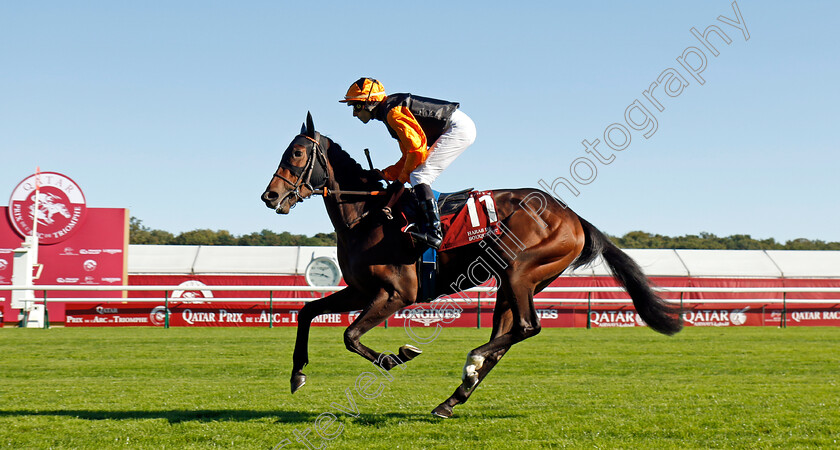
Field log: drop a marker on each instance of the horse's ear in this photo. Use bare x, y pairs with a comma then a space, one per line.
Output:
303, 128
310, 126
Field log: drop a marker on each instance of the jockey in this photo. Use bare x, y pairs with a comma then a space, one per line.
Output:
431, 134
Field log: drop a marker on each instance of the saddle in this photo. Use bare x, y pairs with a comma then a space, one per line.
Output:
448, 203
460, 225
452, 202
466, 216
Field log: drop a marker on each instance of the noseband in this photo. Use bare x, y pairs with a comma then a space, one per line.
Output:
304, 174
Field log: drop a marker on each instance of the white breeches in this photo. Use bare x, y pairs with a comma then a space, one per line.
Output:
453, 142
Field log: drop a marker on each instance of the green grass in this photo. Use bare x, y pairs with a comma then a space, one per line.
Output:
629, 388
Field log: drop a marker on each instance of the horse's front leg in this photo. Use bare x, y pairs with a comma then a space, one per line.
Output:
384, 305
347, 299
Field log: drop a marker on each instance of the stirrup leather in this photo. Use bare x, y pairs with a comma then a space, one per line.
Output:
429, 232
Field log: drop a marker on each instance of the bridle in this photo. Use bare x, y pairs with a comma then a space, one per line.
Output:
305, 174
316, 177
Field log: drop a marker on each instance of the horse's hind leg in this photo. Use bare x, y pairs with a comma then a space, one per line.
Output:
520, 323
524, 324
347, 299
502, 321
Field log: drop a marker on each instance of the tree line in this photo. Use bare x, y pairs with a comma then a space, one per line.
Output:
641, 239
140, 234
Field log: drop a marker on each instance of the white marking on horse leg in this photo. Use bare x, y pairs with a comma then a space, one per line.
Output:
474, 362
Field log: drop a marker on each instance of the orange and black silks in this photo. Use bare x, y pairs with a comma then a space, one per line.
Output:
416, 122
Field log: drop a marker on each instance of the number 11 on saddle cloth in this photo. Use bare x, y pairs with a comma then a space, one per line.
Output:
471, 222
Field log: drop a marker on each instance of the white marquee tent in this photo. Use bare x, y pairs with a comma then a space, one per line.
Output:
217, 260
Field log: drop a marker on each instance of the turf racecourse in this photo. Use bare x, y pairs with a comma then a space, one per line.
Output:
629, 388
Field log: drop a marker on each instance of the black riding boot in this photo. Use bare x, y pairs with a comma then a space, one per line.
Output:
429, 218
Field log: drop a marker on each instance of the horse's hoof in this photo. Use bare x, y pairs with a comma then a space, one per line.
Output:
298, 380
443, 411
408, 352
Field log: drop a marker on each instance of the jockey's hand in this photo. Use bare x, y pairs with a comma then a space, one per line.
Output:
391, 173
375, 174
378, 176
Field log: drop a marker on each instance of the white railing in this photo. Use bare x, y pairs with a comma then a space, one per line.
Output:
271, 289
589, 290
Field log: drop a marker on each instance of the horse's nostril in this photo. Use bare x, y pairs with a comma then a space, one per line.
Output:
269, 196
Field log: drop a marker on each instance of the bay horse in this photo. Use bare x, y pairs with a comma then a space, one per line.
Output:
379, 261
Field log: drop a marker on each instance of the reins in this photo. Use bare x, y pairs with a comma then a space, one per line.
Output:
327, 191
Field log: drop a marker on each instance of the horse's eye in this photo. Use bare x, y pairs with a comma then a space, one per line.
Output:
298, 153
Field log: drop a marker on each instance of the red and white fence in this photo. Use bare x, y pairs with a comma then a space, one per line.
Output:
565, 306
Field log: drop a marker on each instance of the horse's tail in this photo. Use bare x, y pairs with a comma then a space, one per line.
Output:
657, 313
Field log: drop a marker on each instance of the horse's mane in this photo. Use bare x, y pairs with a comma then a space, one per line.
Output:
350, 173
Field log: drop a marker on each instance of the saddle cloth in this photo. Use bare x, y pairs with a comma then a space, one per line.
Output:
466, 217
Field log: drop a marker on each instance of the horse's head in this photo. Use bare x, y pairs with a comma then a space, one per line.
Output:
303, 170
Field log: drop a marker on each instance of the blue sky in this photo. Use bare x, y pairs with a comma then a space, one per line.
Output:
180, 113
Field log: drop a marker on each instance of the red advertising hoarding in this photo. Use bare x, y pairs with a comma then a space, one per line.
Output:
419, 317
78, 246
93, 256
